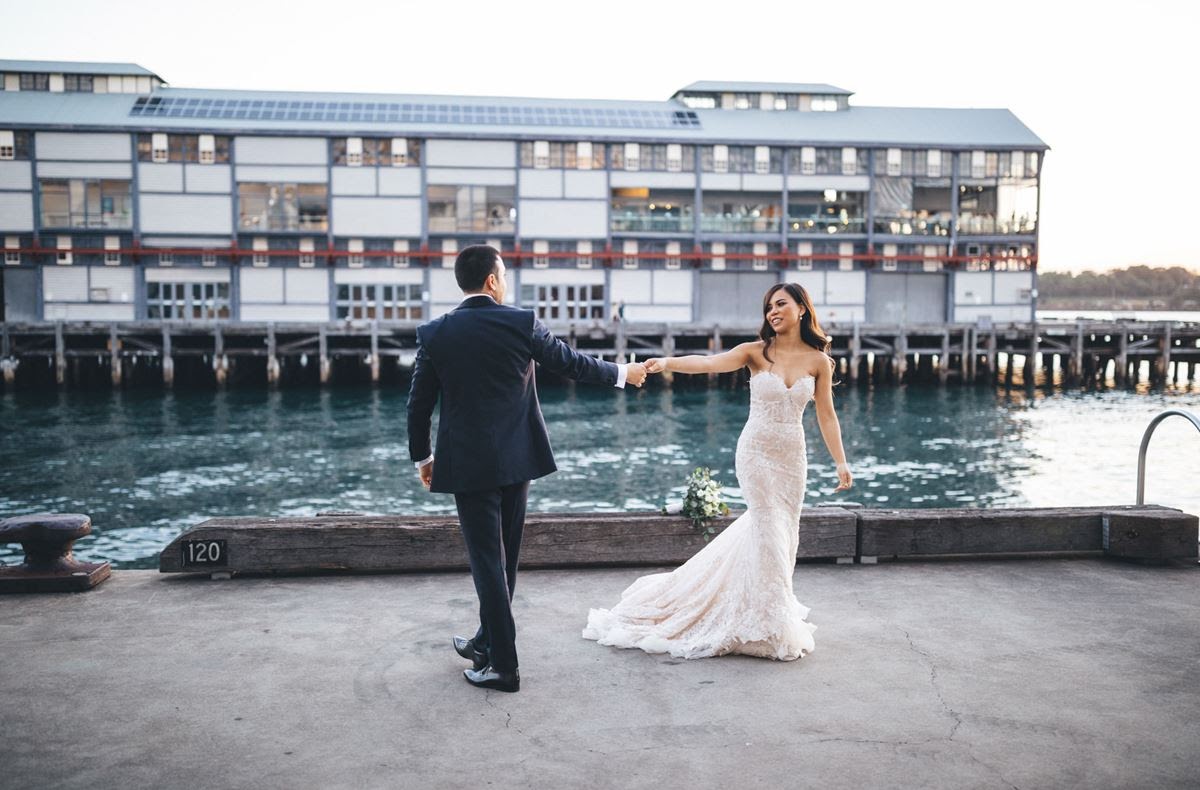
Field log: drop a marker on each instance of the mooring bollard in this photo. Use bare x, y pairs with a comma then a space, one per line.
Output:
49, 563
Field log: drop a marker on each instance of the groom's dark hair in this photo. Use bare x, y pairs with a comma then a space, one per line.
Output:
474, 264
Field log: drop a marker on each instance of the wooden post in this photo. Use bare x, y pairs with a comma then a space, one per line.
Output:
1075, 366
993, 373
620, 342
944, 360
855, 354
1164, 360
1031, 363
375, 350
7, 363
168, 359
60, 356
219, 363
272, 356
114, 355
1123, 357
900, 356
323, 352
1010, 364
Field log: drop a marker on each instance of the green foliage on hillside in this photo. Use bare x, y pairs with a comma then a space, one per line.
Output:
1174, 288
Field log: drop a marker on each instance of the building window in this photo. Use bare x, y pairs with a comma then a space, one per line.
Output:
85, 203
379, 301
889, 263
112, 251
471, 209
194, 301
373, 152
846, 261
166, 259
260, 258
674, 158
564, 302
449, 253
158, 148
208, 259
808, 160
804, 250
933, 164
400, 259
849, 161
541, 154
35, 82
762, 159
759, 262
893, 162
12, 246
584, 250
63, 256
541, 254
978, 164
206, 145
717, 250
283, 207
78, 83
740, 212
720, 159
584, 157
824, 104
673, 259
308, 259
638, 209
399, 152
630, 248
8, 145
355, 259
632, 156
354, 152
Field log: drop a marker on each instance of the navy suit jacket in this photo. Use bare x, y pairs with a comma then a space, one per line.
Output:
478, 360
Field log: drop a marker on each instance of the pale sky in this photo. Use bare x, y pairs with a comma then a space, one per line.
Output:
1109, 86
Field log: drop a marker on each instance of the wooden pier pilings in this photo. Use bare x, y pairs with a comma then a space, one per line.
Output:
1065, 354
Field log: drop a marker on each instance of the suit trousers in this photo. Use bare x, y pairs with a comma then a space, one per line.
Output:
492, 521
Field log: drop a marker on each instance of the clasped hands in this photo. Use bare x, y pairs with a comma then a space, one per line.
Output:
636, 372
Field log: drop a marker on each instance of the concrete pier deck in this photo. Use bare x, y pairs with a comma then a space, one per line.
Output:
1017, 673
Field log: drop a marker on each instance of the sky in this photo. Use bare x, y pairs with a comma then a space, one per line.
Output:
1109, 86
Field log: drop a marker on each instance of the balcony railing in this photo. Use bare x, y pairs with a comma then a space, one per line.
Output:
470, 225
55, 219
826, 224
914, 225
647, 223
738, 224
976, 224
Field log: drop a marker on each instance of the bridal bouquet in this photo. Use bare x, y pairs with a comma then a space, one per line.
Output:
702, 500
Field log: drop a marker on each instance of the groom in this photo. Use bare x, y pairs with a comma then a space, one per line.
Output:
492, 441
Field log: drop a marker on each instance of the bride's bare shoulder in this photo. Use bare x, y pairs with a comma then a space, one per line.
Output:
753, 352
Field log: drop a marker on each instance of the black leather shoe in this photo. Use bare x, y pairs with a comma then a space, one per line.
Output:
466, 649
489, 678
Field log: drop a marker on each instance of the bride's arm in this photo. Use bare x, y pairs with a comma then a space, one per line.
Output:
726, 362
831, 429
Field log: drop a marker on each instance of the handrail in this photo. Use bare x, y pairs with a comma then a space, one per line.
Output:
1141, 484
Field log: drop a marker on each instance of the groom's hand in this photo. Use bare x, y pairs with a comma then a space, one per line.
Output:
426, 474
635, 374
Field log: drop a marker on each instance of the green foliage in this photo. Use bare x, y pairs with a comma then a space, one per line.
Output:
1174, 288
702, 500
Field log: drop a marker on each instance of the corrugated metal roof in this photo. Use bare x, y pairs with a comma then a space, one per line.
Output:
857, 126
76, 67
711, 86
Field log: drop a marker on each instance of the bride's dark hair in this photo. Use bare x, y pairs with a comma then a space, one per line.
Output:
810, 328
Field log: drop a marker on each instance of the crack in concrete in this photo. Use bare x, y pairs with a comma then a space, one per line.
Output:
933, 681
487, 697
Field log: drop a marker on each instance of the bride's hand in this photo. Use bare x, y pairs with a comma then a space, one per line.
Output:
845, 479
655, 365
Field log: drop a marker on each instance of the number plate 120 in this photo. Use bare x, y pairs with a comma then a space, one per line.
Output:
205, 553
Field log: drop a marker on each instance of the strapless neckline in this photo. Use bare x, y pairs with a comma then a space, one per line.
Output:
782, 380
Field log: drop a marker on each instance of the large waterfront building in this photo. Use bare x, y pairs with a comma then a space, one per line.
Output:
124, 199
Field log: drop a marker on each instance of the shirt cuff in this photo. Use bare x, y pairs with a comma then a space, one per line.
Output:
425, 463
621, 376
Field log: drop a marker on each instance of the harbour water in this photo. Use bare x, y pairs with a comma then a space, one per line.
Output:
147, 465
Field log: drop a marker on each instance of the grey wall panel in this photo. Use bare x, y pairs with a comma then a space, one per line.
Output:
400, 181
764, 182
445, 175
20, 294
83, 147
16, 211
208, 178
280, 151
898, 297
353, 181
820, 183
263, 286
563, 219
733, 298
470, 153
585, 184
541, 183
122, 170
65, 283
186, 213
623, 178
16, 175
358, 216
160, 178
720, 181
286, 173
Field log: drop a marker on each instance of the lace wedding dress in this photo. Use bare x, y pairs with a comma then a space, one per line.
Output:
734, 595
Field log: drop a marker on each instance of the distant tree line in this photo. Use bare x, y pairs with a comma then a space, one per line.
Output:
1174, 288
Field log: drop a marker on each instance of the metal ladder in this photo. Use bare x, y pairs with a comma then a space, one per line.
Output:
1141, 485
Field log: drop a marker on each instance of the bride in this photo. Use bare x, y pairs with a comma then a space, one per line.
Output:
735, 595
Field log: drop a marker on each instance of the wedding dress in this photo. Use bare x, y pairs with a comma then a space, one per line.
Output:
734, 595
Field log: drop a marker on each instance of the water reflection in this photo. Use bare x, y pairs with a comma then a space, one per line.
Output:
146, 465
